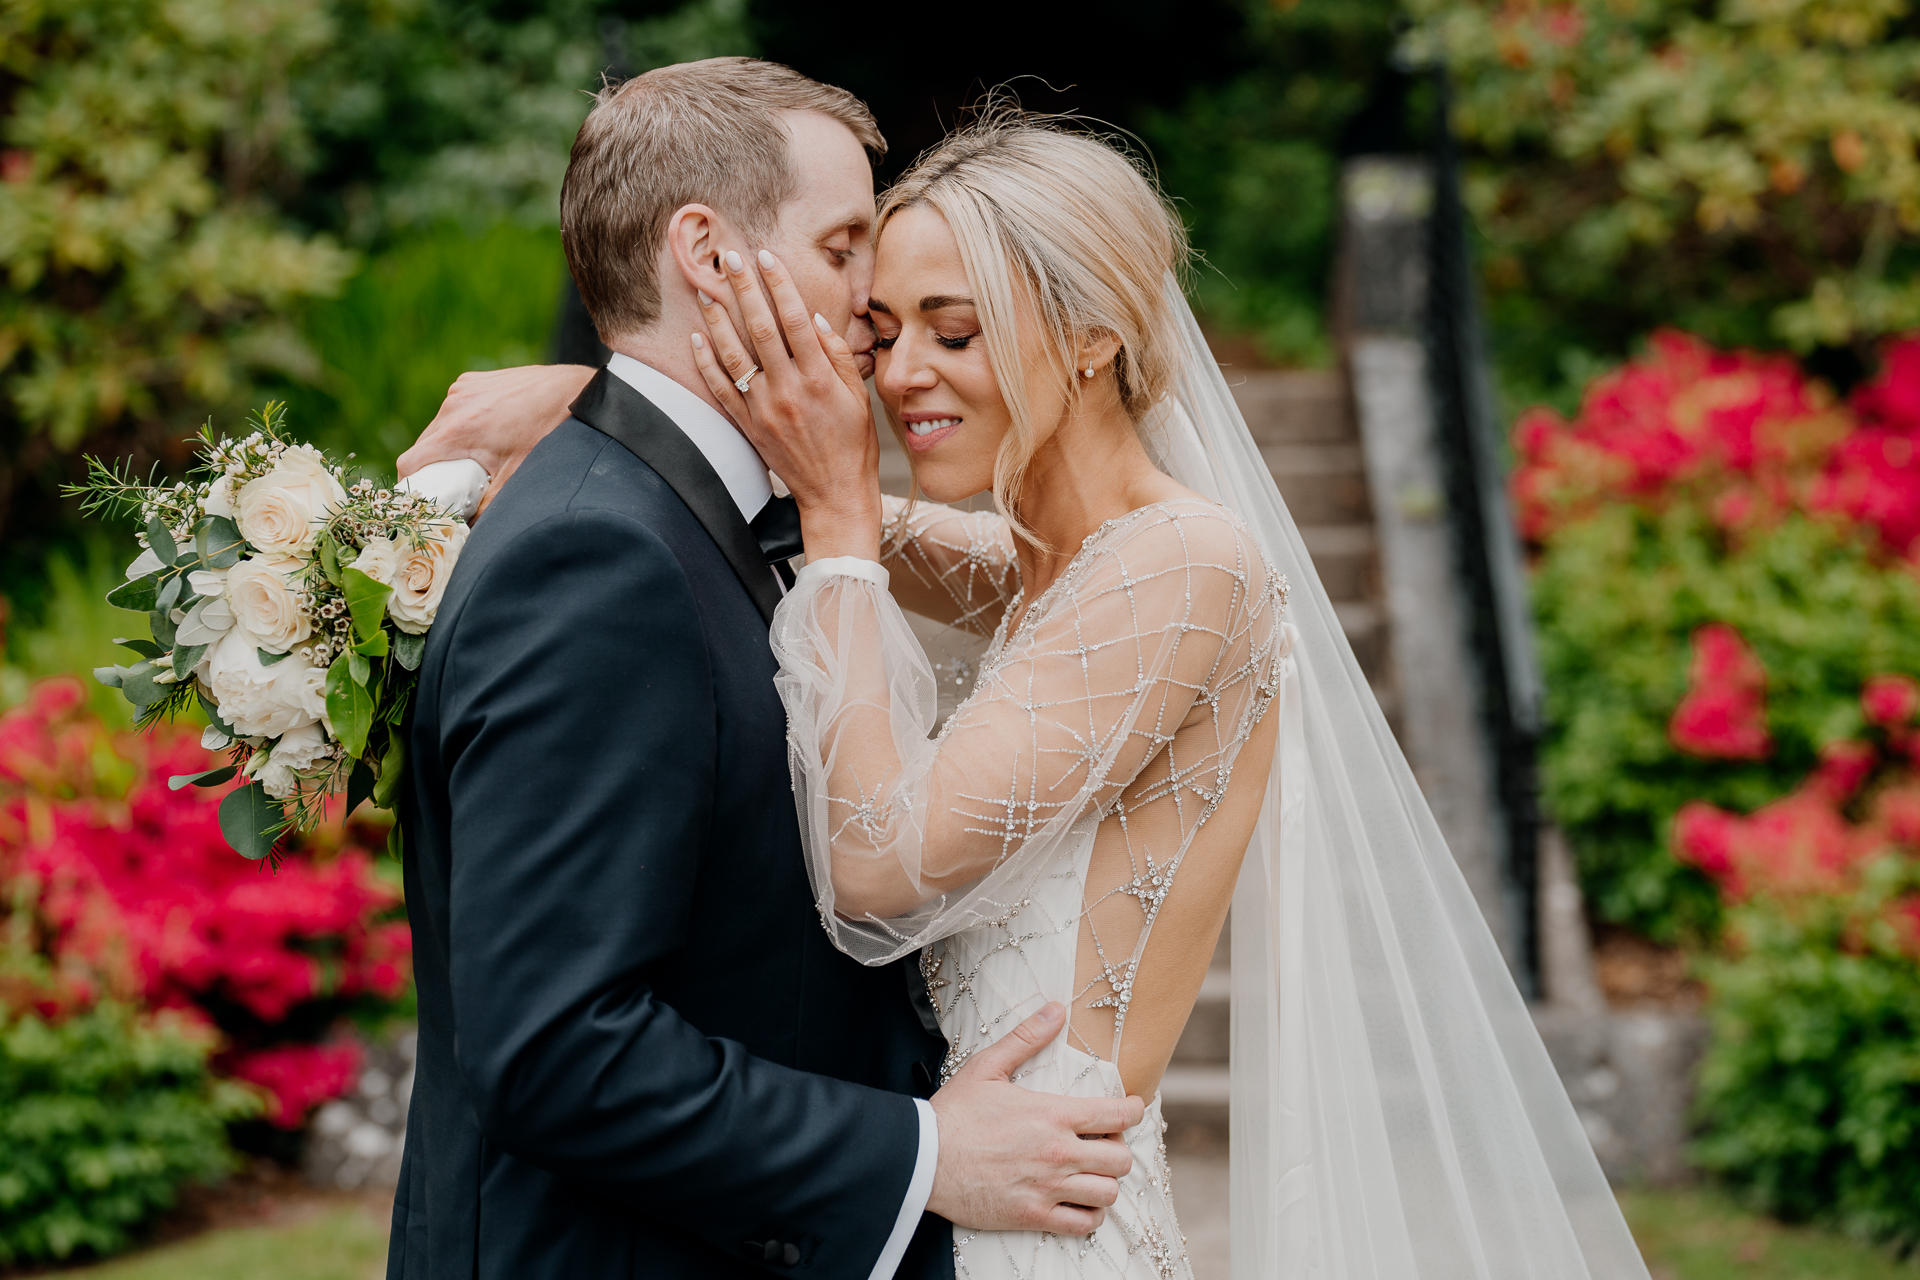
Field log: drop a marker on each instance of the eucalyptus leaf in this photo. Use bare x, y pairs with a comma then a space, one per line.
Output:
366, 601
212, 714
210, 778
251, 820
160, 540
138, 594
186, 657
112, 677
161, 623
393, 767
169, 595
350, 707
220, 543
268, 659
409, 649
360, 784
139, 686
330, 558
145, 648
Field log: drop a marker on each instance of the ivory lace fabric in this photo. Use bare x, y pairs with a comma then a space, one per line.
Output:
1046, 823
1394, 1113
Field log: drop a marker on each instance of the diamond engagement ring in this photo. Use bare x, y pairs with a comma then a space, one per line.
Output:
745, 378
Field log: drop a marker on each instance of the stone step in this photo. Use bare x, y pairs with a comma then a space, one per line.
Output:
1293, 406
1344, 555
1195, 1095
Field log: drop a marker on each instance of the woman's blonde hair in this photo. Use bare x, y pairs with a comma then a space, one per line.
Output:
1064, 227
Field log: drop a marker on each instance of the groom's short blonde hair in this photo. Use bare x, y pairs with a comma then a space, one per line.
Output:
692, 133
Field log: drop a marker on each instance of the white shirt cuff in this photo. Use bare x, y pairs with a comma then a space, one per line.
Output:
845, 567
919, 1191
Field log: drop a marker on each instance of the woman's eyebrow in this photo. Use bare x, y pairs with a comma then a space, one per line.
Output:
874, 304
938, 301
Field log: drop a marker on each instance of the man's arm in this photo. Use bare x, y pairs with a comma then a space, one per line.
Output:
579, 740
495, 417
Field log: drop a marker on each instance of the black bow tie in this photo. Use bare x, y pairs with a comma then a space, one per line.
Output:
778, 529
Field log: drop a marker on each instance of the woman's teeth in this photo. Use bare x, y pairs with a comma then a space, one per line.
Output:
932, 425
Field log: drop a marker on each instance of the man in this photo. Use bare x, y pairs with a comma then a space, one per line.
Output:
639, 1053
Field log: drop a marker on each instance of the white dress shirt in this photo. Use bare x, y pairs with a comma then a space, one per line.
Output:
740, 469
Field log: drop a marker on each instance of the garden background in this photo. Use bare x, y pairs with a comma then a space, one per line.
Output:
1697, 237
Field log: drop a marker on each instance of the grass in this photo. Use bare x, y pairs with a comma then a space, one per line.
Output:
342, 1242
1702, 1234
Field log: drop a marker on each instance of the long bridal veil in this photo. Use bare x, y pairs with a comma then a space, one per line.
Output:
1394, 1113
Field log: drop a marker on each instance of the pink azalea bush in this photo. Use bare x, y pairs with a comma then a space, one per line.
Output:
140, 898
1727, 559
1727, 577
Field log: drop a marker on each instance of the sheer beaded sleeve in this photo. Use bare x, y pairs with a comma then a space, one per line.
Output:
953, 566
1123, 692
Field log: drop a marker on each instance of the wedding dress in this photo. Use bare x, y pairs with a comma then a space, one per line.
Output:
1393, 1111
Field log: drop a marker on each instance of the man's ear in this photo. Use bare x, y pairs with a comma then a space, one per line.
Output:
694, 239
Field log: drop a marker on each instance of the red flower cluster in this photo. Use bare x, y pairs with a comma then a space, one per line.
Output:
299, 1077
1805, 843
1724, 714
138, 890
1747, 436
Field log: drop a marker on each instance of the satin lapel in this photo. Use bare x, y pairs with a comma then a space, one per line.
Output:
613, 408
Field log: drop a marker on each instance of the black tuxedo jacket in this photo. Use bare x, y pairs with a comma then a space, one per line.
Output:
639, 1053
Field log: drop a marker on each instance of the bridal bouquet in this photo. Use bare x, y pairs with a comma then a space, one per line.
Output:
292, 607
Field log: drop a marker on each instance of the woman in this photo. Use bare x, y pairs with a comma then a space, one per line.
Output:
1076, 831
1155, 703
1168, 720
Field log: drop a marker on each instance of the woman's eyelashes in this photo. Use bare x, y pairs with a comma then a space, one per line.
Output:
958, 342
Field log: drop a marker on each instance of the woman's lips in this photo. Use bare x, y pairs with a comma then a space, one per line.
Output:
928, 432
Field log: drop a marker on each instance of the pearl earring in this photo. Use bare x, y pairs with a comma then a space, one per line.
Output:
1088, 373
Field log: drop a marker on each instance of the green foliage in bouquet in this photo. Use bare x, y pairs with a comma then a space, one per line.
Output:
1743, 170
1810, 1094
102, 1116
1620, 596
291, 609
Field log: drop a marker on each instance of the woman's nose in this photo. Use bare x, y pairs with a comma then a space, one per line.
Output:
900, 371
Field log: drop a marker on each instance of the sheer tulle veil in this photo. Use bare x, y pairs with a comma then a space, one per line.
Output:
1394, 1113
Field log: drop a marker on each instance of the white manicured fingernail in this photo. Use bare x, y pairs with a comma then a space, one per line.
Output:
733, 261
766, 259
701, 294
820, 323
699, 342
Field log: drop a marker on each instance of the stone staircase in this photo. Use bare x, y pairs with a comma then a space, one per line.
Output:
1304, 424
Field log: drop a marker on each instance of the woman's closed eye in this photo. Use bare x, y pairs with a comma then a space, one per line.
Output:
957, 342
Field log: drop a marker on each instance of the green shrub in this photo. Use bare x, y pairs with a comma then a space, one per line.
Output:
1810, 1094
102, 1117
1618, 596
417, 316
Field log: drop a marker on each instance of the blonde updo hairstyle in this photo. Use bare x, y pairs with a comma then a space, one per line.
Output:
1066, 228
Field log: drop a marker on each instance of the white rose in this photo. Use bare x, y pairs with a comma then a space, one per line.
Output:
262, 599
298, 749
379, 560
264, 701
282, 511
420, 579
